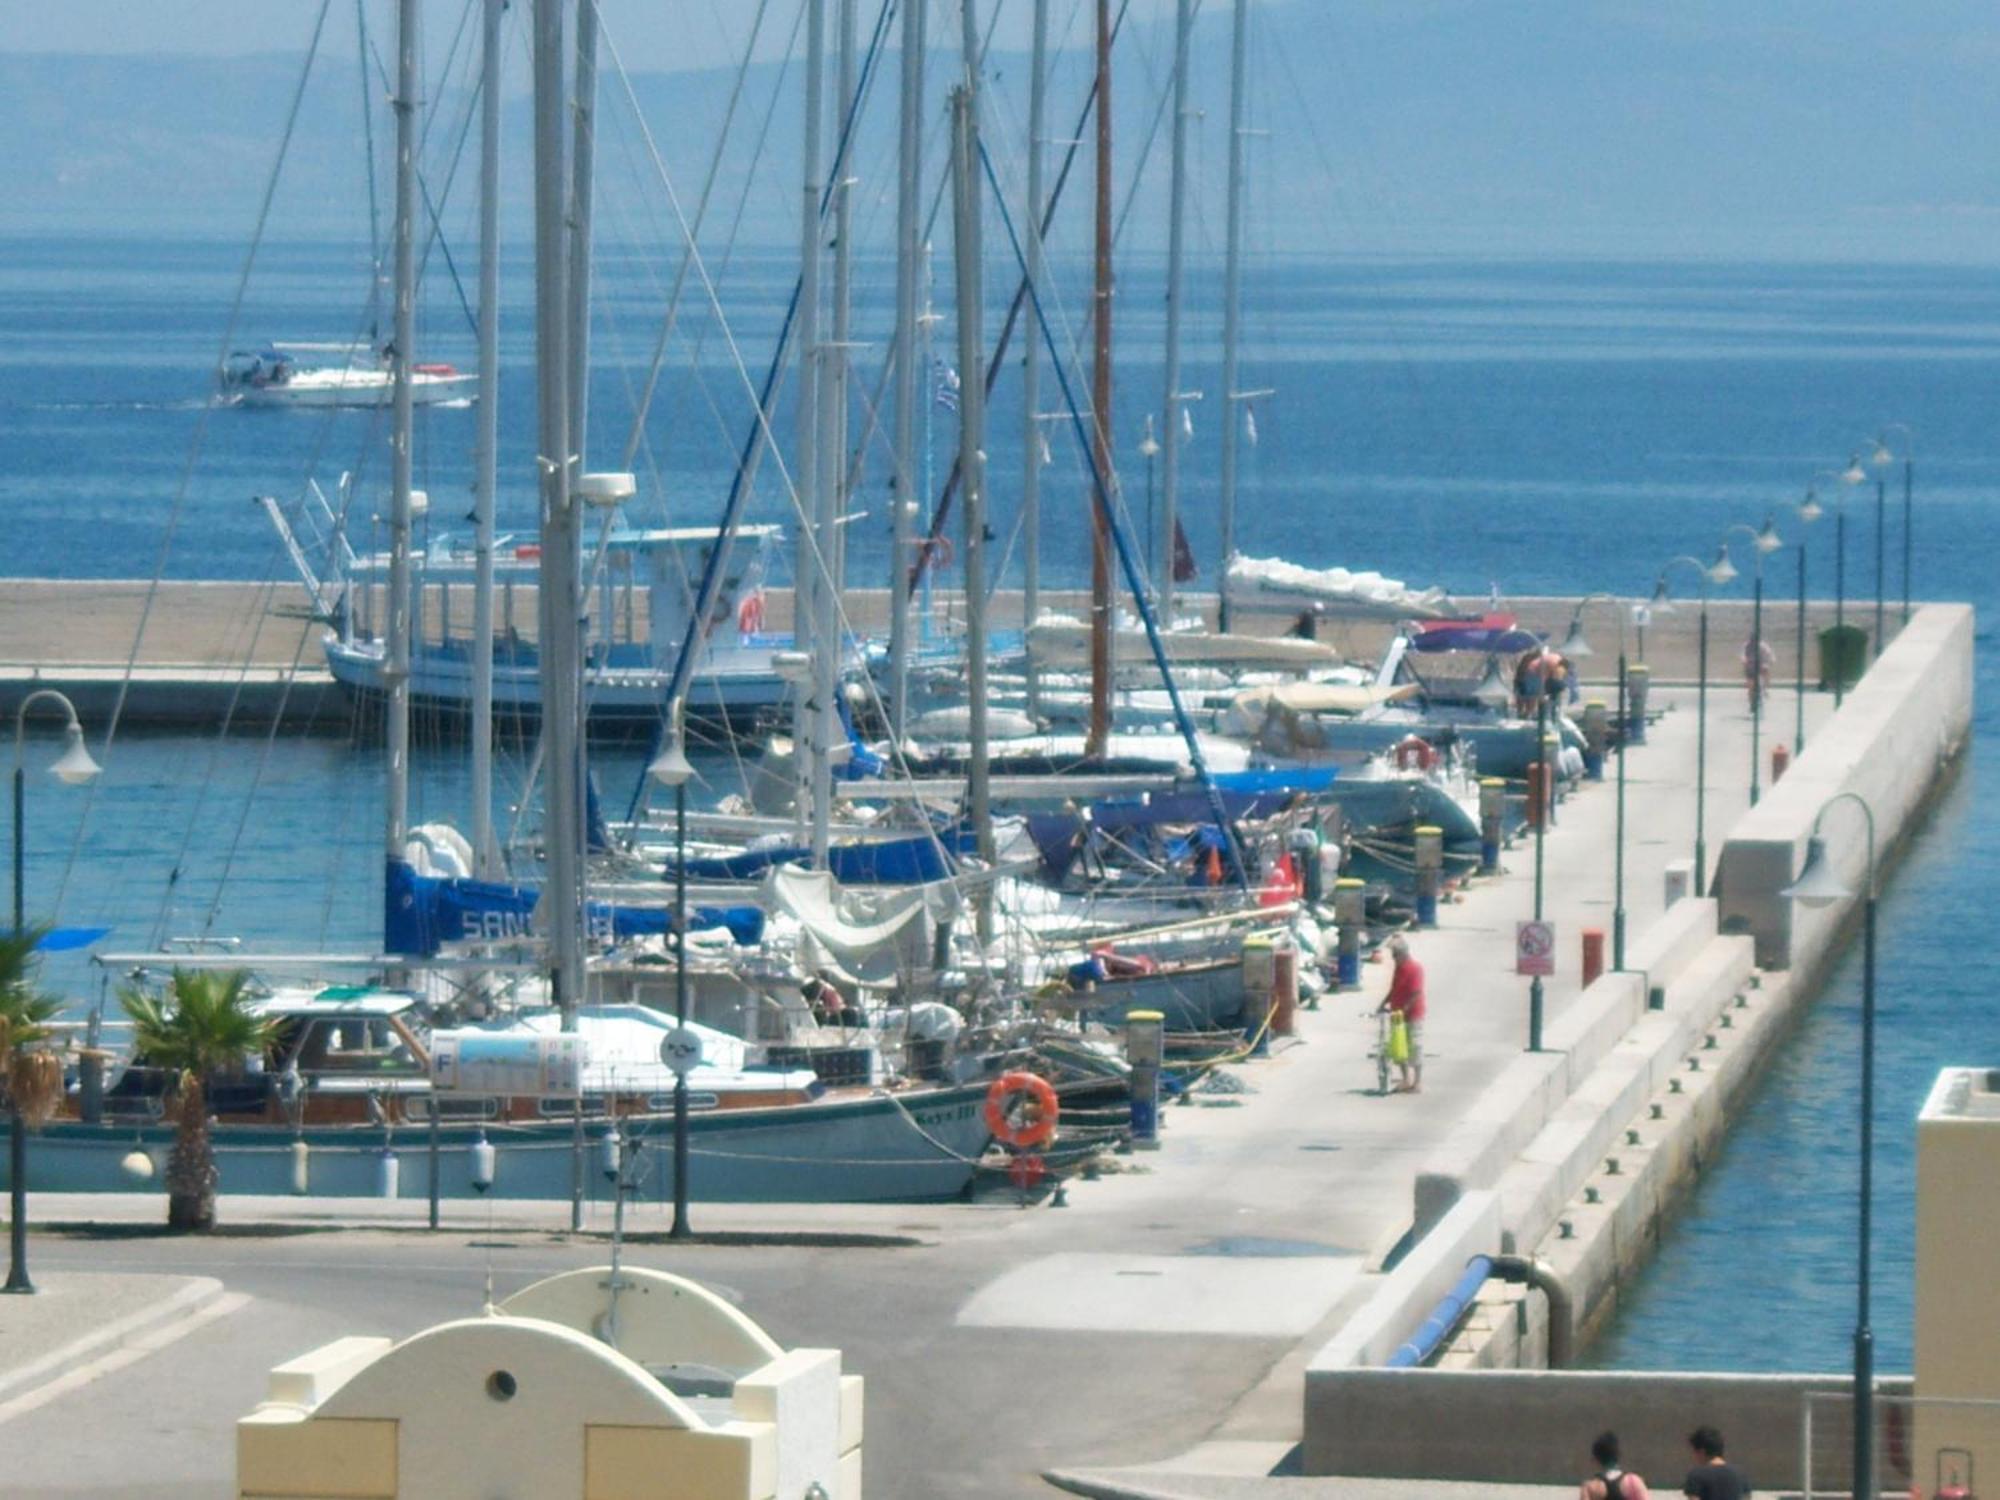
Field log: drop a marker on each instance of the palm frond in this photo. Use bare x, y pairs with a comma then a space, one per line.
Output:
202, 1025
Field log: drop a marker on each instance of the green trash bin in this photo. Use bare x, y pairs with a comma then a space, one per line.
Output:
1843, 657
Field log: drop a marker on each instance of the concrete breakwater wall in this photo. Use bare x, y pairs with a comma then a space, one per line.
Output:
1581, 1157
196, 650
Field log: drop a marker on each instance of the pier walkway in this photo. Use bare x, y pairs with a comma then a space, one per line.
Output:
1170, 1305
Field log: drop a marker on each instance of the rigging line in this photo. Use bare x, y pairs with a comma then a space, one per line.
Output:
368, 146
533, 774
645, 401
940, 129
195, 446
1101, 484
942, 512
263, 764
433, 206
760, 437
1146, 149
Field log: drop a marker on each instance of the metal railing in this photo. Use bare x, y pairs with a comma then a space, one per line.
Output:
1924, 1445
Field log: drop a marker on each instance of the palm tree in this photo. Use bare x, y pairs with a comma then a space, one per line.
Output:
31, 1076
202, 1026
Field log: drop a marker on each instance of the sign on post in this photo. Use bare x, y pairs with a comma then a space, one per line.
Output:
680, 1049
1535, 948
475, 1062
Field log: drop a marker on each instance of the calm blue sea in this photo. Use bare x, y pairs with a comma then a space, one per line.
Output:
1542, 428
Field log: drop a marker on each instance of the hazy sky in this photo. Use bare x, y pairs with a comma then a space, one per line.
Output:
650, 34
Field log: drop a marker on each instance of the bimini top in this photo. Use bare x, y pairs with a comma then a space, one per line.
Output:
1497, 634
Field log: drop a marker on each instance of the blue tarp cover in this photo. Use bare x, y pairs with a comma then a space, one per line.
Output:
68, 939
423, 912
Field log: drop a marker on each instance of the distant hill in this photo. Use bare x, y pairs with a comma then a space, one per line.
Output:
1789, 129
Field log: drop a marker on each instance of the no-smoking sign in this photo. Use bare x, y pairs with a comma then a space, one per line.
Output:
1535, 948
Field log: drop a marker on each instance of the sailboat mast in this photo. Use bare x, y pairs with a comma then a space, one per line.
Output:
562, 885
1031, 355
583, 154
397, 727
972, 427
807, 752
846, 108
483, 851
1232, 297
909, 254
1100, 413
1170, 414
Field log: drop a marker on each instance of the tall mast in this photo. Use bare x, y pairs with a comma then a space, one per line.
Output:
846, 108
830, 452
805, 569
397, 727
1031, 361
1170, 403
562, 887
483, 852
1232, 297
972, 427
1100, 409
583, 153
909, 256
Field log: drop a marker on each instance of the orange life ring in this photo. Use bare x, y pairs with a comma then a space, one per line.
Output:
1021, 1110
1414, 753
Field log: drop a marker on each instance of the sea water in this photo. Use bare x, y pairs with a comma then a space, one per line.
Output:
1490, 426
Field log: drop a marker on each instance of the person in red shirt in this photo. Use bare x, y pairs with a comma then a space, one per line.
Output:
1406, 999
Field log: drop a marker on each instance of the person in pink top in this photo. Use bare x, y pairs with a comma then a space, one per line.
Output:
1612, 1481
1406, 999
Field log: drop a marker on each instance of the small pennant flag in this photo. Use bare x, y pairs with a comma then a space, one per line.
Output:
946, 383
1250, 424
1187, 422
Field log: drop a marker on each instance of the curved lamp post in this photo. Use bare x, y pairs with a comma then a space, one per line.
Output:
1719, 571
1819, 885
671, 768
1850, 476
1764, 541
1575, 647
73, 767
1882, 458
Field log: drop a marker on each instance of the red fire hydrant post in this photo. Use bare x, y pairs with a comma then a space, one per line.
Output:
1781, 761
1593, 955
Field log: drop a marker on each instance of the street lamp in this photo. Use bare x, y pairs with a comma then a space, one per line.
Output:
1809, 511
1764, 541
1883, 457
1719, 571
1850, 476
1818, 885
671, 768
1575, 647
73, 767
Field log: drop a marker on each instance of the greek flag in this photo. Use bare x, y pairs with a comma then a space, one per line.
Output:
944, 383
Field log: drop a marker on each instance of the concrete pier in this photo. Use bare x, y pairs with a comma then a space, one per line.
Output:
1184, 1324
186, 654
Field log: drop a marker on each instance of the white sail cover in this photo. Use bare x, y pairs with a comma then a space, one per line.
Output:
873, 935
1274, 584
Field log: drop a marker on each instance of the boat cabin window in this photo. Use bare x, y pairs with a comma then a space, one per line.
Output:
346, 1044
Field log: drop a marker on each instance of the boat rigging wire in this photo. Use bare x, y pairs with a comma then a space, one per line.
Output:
178, 508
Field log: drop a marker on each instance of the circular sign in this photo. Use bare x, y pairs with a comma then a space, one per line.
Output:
680, 1049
